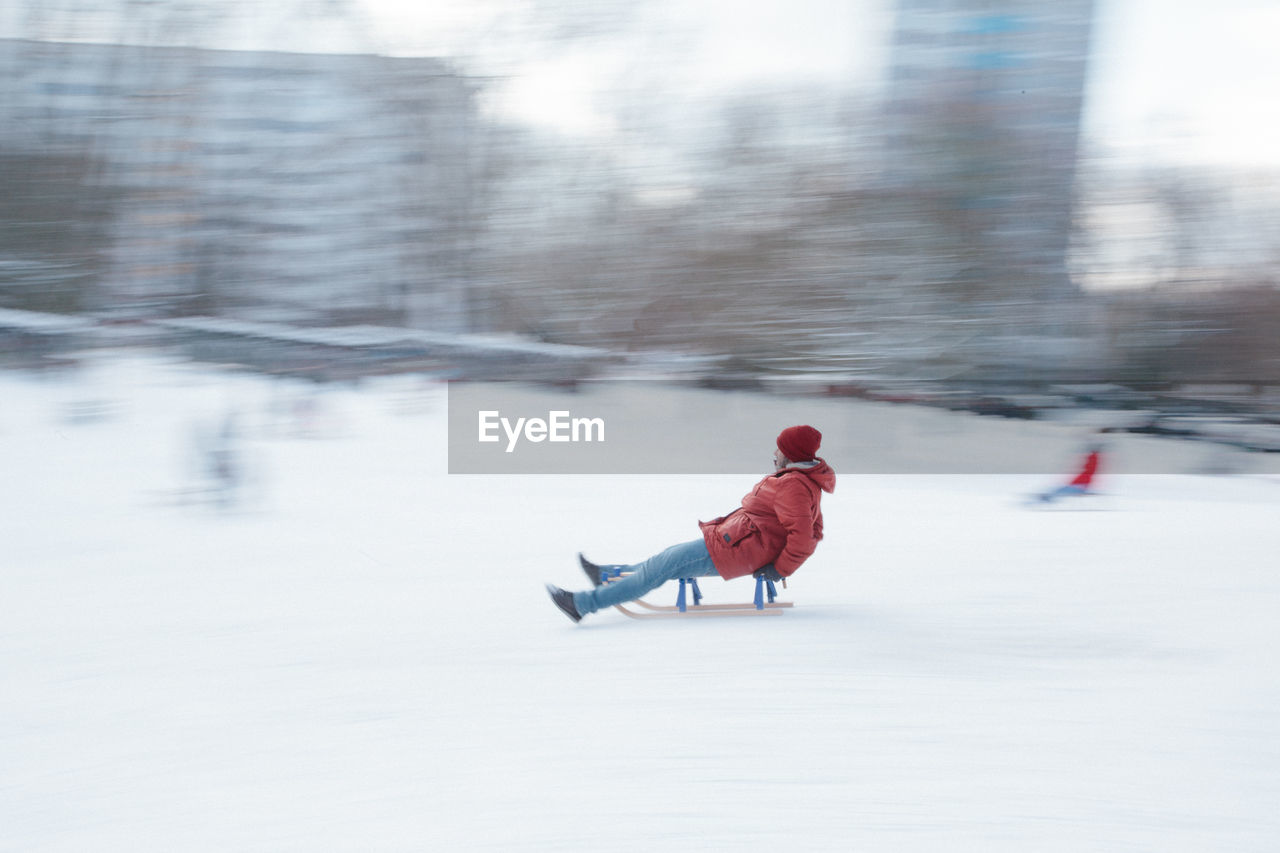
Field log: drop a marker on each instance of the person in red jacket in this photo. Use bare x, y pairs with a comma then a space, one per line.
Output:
1083, 480
772, 533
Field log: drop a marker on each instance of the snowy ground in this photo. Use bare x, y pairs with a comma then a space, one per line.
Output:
360, 656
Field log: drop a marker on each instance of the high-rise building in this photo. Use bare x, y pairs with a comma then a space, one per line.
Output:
293, 187
984, 110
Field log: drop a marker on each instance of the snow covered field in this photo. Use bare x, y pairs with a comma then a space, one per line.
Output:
359, 654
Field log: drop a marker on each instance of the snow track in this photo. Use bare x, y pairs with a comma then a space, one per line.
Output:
360, 655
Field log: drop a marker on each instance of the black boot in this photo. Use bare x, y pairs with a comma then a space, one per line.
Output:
564, 600
591, 569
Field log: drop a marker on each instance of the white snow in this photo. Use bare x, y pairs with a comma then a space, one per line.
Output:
360, 655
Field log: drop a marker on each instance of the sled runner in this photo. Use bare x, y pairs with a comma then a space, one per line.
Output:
765, 589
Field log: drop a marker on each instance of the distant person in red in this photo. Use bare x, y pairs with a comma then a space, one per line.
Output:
1082, 483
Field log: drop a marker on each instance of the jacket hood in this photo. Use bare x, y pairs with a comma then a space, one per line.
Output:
822, 474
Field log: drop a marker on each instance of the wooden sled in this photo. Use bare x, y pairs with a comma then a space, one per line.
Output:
681, 609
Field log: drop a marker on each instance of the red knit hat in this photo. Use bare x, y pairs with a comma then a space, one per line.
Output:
799, 443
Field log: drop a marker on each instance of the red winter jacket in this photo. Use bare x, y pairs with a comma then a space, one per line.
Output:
779, 522
1087, 472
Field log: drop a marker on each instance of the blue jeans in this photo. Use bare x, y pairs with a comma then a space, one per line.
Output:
1064, 492
688, 560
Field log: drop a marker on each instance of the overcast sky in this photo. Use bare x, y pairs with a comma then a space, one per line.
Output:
1180, 80
1184, 80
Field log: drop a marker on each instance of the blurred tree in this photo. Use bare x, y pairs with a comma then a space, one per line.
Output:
1177, 255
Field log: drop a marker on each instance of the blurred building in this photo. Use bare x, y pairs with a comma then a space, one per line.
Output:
300, 188
984, 111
